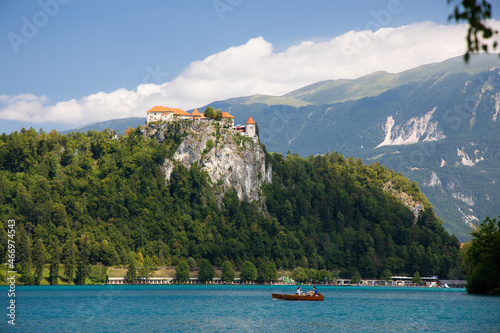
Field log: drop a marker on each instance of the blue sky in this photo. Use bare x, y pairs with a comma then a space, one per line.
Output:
65, 63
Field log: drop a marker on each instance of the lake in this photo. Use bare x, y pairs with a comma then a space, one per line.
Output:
247, 309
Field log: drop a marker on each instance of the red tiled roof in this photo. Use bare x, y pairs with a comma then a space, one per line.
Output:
158, 109
250, 121
226, 115
196, 113
163, 109
179, 112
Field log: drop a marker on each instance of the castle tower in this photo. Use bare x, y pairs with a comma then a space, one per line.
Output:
196, 114
250, 128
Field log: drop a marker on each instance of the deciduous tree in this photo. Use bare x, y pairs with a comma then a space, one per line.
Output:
147, 269
416, 279
227, 272
248, 272
206, 272
267, 272
356, 277
218, 114
299, 274
182, 271
209, 112
476, 13
386, 275
483, 259
191, 262
98, 273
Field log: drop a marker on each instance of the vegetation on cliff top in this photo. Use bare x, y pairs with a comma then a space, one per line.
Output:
108, 198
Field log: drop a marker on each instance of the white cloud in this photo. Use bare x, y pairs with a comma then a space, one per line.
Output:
253, 68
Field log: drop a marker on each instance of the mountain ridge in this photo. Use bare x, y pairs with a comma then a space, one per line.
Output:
434, 122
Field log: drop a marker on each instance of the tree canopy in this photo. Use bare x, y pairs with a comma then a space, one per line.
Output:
228, 273
182, 271
482, 258
131, 275
206, 272
104, 198
248, 272
209, 112
476, 13
267, 272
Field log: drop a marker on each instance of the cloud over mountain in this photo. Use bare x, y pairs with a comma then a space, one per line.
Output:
255, 68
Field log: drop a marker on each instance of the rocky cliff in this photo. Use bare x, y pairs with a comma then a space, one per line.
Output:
231, 160
415, 204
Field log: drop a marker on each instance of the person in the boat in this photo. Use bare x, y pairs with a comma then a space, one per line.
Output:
314, 292
298, 292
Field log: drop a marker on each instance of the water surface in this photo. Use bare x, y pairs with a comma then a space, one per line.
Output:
248, 309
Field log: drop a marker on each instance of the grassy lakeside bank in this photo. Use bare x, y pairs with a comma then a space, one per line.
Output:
111, 272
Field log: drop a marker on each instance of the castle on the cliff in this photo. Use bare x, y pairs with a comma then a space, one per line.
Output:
165, 114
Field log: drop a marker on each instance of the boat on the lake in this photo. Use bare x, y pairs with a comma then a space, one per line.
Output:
295, 297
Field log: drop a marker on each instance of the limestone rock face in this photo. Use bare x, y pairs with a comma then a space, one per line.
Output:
409, 201
231, 160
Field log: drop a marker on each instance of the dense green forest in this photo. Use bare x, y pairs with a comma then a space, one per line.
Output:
90, 198
482, 259
342, 218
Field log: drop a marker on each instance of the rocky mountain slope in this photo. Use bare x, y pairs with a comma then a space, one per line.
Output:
231, 160
118, 125
438, 124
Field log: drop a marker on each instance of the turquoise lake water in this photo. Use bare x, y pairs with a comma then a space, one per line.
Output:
247, 309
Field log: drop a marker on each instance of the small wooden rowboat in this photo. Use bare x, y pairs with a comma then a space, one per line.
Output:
295, 297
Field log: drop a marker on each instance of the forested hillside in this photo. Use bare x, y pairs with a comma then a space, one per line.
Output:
437, 124
339, 214
108, 197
